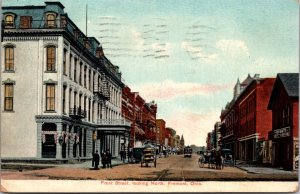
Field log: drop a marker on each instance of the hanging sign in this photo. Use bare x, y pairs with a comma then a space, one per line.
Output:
283, 132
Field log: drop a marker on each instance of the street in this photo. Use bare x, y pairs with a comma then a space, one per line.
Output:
172, 168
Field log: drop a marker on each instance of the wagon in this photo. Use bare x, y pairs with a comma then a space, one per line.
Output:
149, 156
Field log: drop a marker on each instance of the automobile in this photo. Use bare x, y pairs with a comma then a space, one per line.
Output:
227, 155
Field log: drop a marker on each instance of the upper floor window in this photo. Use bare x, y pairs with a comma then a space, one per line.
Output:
9, 20
8, 97
25, 21
51, 58
9, 58
51, 20
50, 97
65, 62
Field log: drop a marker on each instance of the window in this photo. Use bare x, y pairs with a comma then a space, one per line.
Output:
75, 70
9, 58
80, 72
9, 21
50, 20
64, 100
84, 76
51, 58
50, 97
25, 21
70, 67
285, 116
65, 63
90, 80
9, 97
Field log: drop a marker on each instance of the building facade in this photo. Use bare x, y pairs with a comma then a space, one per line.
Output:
284, 104
246, 120
161, 128
61, 95
142, 116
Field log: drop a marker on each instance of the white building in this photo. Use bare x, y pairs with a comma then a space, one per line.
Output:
60, 95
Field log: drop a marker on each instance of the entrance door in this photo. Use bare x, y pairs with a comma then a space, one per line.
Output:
49, 147
49, 143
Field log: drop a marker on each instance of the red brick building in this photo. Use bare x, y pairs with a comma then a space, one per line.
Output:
142, 116
255, 120
246, 119
161, 127
284, 105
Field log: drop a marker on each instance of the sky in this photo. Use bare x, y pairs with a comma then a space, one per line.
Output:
186, 55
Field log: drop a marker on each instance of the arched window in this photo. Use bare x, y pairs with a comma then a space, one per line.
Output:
51, 23
51, 56
9, 20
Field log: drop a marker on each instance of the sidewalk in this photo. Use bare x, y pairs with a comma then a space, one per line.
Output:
256, 169
33, 166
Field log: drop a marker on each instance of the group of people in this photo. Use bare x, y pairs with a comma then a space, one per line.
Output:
105, 159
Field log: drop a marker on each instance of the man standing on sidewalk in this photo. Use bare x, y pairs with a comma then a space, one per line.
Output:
96, 159
108, 155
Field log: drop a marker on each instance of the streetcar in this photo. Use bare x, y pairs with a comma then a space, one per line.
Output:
187, 151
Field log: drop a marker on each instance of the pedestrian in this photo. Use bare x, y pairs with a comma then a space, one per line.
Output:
218, 159
103, 159
108, 155
130, 155
95, 162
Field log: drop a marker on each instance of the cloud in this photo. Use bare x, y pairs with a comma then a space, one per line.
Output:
233, 48
169, 89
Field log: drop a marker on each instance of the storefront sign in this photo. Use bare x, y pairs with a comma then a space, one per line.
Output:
283, 132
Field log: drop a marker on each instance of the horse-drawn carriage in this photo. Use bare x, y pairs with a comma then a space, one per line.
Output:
149, 156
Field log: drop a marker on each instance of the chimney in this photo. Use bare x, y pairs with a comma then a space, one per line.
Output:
256, 76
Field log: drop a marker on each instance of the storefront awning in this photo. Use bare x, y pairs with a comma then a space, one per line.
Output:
139, 130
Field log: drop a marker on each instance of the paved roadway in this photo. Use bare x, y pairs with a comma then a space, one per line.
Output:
172, 168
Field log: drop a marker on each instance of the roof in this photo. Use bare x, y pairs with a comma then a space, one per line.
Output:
290, 83
248, 80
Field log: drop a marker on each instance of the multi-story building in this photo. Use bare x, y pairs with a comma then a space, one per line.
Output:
62, 96
284, 103
229, 118
142, 116
247, 119
161, 127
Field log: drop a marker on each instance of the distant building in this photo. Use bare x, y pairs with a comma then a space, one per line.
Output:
217, 135
284, 104
142, 116
208, 141
161, 127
